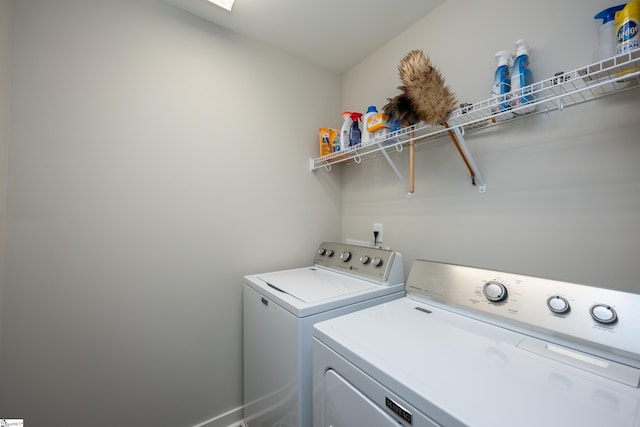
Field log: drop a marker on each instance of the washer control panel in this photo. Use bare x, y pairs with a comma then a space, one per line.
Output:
605, 318
380, 265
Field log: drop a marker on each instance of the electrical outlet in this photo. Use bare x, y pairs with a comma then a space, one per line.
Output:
378, 227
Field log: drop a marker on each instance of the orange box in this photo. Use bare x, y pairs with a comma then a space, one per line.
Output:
326, 138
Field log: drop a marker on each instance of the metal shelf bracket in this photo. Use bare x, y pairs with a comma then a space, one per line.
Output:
396, 170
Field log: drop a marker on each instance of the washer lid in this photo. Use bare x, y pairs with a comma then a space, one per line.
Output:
313, 285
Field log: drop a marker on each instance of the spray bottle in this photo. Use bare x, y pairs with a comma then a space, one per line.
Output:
344, 132
335, 138
607, 35
521, 77
355, 135
502, 84
367, 135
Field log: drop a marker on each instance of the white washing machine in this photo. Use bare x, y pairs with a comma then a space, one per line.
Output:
480, 348
280, 309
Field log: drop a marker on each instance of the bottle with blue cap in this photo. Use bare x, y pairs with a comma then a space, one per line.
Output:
367, 135
502, 85
521, 79
607, 34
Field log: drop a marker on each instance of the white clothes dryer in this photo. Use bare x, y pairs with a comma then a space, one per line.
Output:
469, 347
280, 309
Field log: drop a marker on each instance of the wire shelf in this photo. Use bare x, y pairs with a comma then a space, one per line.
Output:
613, 75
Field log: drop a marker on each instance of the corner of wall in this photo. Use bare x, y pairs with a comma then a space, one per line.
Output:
6, 16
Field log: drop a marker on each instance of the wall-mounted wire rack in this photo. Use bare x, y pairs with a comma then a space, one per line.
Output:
613, 75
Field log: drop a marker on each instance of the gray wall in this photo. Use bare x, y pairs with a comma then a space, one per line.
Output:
563, 190
155, 160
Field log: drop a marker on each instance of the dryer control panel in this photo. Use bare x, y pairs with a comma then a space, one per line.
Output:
379, 265
588, 316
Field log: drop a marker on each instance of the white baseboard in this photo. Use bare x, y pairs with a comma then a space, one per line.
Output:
232, 418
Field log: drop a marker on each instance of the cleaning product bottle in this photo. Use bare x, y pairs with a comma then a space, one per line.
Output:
344, 132
607, 34
502, 84
394, 125
379, 125
521, 78
334, 138
367, 135
355, 135
628, 27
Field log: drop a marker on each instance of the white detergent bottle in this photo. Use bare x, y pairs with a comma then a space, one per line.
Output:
521, 78
367, 136
607, 33
502, 86
344, 132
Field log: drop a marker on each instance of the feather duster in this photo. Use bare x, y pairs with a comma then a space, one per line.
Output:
425, 87
400, 107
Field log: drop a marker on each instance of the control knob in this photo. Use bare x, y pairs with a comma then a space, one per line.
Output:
364, 259
377, 262
329, 253
558, 304
345, 256
321, 251
495, 291
603, 313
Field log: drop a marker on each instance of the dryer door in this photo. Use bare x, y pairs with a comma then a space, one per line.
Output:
345, 406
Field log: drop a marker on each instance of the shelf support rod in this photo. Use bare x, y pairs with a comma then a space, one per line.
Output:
461, 145
412, 149
395, 169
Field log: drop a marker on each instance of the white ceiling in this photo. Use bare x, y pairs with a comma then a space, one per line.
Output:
335, 34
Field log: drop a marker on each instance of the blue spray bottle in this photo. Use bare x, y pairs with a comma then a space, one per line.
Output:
502, 85
521, 77
355, 135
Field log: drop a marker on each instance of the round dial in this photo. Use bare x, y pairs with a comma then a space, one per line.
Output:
558, 304
376, 261
364, 259
603, 313
495, 291
345, 256
321, 251
329, 253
